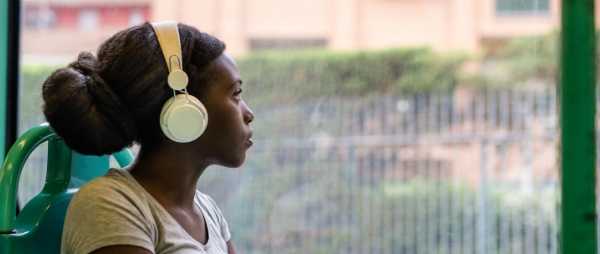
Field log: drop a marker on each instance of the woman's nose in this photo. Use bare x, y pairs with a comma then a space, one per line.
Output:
248, 114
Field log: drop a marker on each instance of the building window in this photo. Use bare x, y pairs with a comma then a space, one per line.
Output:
136, 17
39, 18
88, 19
522, 7
287, 43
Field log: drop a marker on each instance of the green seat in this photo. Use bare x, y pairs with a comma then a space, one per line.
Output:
38, 228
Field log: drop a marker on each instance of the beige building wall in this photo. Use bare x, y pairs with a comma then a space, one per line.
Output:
408, 23
357, 24
288, 19
444, 25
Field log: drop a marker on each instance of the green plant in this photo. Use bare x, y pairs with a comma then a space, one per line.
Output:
281, 77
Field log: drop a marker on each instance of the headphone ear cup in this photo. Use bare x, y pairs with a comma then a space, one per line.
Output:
183, 118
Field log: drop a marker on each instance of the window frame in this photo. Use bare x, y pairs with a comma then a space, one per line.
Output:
577, 102
523, 12
9, 72
576, 149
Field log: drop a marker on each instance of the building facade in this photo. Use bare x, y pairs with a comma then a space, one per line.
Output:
54, 31
363, 24
247, 25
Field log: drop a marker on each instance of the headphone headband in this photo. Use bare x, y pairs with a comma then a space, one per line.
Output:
183, 118
167, 35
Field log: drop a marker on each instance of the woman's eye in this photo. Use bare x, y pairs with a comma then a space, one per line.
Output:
237, 92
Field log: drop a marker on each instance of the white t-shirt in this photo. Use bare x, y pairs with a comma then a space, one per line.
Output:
116, 210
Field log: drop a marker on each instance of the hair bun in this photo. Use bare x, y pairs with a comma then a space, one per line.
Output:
85, 111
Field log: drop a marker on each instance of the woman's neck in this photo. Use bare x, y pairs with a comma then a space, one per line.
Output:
169, 174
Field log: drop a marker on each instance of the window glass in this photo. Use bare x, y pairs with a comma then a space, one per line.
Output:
88, 19
53, 32
378, 129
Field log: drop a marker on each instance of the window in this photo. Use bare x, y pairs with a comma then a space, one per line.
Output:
88, 19
522, 7
39, 18
136, 17
366, 144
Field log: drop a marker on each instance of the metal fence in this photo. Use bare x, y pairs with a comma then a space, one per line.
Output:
462, 172
466, 172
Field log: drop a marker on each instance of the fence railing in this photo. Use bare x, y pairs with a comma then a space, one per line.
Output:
467, 172
463, 172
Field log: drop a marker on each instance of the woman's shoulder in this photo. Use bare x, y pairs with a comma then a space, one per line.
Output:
205, 200
209, 204
108, 210
115, 182
115, 188
214, 213
111, 197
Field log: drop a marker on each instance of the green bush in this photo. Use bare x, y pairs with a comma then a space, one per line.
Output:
289, 77
276, 77
520, 60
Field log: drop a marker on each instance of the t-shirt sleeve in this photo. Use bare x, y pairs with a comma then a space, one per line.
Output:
106, 214
225, 233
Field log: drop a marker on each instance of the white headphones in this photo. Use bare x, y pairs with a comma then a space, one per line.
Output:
183, 117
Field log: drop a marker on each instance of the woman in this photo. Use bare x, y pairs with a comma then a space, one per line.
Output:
101, 105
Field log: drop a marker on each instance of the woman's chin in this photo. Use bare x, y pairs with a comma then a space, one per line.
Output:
235, 162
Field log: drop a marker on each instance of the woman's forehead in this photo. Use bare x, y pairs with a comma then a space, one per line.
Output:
225, 69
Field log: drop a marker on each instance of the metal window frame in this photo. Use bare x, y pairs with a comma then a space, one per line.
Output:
577, 91
3, 70
9, 72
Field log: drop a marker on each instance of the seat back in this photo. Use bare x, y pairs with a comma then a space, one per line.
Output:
38, 228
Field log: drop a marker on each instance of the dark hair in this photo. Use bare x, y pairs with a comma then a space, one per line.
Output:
102, 105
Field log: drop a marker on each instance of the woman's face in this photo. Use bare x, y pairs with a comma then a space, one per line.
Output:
228, 134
